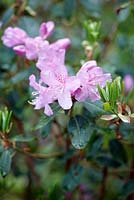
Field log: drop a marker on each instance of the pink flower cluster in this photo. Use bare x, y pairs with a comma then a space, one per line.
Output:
54, 82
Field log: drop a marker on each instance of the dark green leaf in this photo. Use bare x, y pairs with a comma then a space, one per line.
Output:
5, 164
94, 175
107, 161
95, 148
1, 148
96, 108
45, 120
69, 7
72, 179
56, 193
20, 76
45, 130
79, 128
7, 15
117, 150
128, 188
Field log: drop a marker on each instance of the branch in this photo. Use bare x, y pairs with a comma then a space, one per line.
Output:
103, 186
39, 156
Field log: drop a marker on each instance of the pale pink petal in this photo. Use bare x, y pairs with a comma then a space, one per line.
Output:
48, 111
20, 50
13, 36
32, 47
89, 65
72, 84
52, 59
33, 83
81, 95
64, 100
61, 44
46, 29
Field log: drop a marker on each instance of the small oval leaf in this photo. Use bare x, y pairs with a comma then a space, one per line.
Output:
5, 164
79, 129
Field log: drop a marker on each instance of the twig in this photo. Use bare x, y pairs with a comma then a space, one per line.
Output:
131, 177
39, 156
103, 186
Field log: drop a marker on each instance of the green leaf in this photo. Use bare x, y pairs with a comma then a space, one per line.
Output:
107, 161
79, 128
129, 96
5, 163
20, 76
132, 115
20, 138
45, 120
1, 148
69, 7
95, 147
7, 15
8, 121
95, 109
102, 94
45, 130
95, 175
117, 150
55, 193
128, 188
72, 179
112, 99
107, 106
3, 121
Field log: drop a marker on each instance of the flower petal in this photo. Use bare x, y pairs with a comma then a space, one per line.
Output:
64, 99
48, 111
46, 29
61, 44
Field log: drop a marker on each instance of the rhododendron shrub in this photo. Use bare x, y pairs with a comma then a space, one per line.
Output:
67, 100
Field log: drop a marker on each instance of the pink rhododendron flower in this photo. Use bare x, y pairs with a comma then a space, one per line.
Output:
13, 37
24, 45
62, 87
90, 75
128, 82
55, 76
59, 86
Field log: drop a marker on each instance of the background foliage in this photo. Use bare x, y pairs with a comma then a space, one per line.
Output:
41, 162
